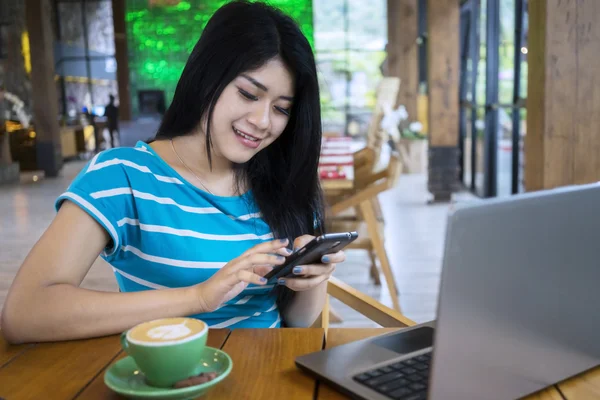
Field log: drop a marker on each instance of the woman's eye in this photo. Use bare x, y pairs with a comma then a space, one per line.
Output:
248, 95
285, 111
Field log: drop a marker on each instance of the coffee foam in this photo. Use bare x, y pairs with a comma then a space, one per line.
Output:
166, 331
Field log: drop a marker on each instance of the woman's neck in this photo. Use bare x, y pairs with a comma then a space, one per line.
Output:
192, 150
188, 156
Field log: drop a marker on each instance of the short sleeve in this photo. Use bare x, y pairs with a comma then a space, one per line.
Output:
102, 189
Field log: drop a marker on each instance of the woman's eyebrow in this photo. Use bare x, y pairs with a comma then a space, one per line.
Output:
263, 87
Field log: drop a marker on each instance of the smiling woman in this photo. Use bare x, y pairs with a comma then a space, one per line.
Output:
255, 108
188, 220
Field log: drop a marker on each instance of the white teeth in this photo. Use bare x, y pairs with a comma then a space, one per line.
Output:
245, 136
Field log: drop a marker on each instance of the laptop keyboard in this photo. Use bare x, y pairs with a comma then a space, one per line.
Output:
404, 380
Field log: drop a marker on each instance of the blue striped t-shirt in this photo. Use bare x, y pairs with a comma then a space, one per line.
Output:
167, 233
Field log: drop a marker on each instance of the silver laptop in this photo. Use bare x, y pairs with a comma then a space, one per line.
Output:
518, 308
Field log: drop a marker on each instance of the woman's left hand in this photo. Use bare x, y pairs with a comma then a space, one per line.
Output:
311, 275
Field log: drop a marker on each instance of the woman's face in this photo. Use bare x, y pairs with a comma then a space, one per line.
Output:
252, 111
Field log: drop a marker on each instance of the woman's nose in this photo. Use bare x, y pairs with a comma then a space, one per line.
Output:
261, 116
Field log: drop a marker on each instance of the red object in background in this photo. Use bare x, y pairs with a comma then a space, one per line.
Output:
329, 174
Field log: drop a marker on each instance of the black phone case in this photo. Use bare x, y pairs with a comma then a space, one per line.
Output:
312, 252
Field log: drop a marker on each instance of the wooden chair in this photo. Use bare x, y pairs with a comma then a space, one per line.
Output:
366, 159
366, 305
365, 162
370, 229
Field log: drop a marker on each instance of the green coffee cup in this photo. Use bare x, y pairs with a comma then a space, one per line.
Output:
166, 350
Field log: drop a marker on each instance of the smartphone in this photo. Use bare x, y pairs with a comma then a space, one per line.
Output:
312, 252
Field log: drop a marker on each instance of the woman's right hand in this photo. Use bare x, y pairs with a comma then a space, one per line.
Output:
236, 275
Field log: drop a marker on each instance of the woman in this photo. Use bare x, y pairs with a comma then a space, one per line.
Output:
202, 212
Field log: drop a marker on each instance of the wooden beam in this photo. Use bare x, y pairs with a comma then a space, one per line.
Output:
586, 168
562, 145
403, 51
443, 70
534, 143
38, 15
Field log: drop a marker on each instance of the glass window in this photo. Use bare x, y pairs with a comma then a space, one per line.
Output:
523, 132
524, 52
329, 25
506, 52
367, 24
504, 152
480, 86
350, 39
468, 148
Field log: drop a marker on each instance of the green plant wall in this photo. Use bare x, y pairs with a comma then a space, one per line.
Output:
161, 37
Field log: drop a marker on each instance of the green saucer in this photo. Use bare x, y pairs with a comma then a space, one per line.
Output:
125, 378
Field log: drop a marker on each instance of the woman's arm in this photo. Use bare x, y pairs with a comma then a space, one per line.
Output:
310, 287
45, 302
305, 307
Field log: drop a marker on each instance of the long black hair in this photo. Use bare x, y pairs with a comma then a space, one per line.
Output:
240, 37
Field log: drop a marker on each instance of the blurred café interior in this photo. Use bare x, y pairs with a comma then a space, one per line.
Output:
425, 103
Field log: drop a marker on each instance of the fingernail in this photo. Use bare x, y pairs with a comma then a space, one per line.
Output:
281, 282
325, 258
283, 241
263, 280
297, 270
280, 258
287, 251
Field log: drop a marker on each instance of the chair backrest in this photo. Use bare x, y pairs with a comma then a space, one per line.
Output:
394, 169
387, 92
391, 173
373, 133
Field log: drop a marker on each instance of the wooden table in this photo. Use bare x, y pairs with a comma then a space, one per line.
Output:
263, 367
336, 160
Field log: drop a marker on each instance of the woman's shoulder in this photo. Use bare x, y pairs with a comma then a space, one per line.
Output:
140, 153
125, 161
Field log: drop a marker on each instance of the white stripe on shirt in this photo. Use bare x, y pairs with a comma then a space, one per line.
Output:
97, 213
244, 300
139, 281
249, 216
147, 196
130, 164
93, 162
190, 233
276, 321
171, 261
143, 150
229, 322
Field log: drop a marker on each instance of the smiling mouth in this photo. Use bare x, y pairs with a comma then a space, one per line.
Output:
245, 135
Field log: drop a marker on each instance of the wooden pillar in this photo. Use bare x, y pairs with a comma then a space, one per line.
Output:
562, 145
443, 69
43, 88
120, 28
403, 51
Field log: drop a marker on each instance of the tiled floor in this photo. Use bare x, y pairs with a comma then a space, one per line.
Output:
414, 241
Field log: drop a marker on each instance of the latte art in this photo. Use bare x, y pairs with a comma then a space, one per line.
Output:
165, 330
169, 332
